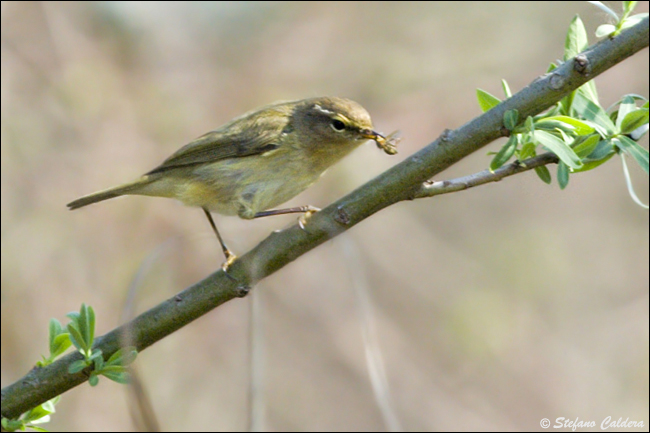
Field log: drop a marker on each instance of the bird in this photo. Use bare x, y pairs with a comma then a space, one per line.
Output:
257, 161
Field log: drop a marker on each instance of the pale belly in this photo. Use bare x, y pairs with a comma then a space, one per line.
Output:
232, 187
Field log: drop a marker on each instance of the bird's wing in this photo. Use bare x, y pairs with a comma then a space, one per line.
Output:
250, 134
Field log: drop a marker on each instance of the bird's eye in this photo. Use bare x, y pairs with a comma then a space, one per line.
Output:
338, 125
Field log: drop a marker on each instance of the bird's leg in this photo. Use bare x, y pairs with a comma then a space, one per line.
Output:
230, 256
307, 211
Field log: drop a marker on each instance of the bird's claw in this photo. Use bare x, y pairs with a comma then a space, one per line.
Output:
302, 221
230, 259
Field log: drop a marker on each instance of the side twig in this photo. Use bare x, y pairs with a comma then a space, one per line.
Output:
432, 188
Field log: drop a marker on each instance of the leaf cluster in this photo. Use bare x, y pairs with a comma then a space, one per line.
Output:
80, 332
577, 129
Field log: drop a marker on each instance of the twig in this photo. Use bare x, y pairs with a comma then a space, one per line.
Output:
432, 188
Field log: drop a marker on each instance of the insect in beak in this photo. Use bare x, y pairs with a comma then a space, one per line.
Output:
386, 143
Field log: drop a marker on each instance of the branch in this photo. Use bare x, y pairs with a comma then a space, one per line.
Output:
402, 182
431, 188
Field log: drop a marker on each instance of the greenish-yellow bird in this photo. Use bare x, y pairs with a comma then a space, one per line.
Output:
257, 161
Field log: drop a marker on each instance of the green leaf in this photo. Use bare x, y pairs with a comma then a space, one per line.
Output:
555, 110
93, 380
565, 104
50, 404
506, 89
605, 30
60, 344
628, 7
576, 39
122, 377
558, 147
486, 101
586, 146
87, 323
564, 137
36, 414
562, 175
626, 106
504, 154
633, 20
510, 119
588, 90
77, 338
630, 186
13, 424
602, 150
97, 359
599, 129
605, 9
527, 151
592, 112
632, 148
55, 328
634, 120
124, 356
530, 124
635, 97
554, 125
579, 127
543, 173
59, 340
77, 366
590, 165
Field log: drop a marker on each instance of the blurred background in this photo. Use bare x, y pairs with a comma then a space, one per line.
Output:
494, 307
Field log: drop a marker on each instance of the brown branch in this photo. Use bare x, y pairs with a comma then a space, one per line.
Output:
432, 188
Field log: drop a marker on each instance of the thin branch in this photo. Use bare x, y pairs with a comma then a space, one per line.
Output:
402, 182
432, 188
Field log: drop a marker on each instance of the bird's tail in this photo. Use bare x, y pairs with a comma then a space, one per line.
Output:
136, 187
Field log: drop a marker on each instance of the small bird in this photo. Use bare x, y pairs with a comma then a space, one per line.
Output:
257, 161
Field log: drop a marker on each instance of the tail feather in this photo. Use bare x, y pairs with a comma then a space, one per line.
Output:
135, 187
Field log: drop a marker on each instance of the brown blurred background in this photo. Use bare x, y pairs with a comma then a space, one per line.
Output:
495, 307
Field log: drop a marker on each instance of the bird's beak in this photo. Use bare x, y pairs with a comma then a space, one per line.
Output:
387, 145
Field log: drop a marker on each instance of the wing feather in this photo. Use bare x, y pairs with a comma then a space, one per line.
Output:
249, 134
